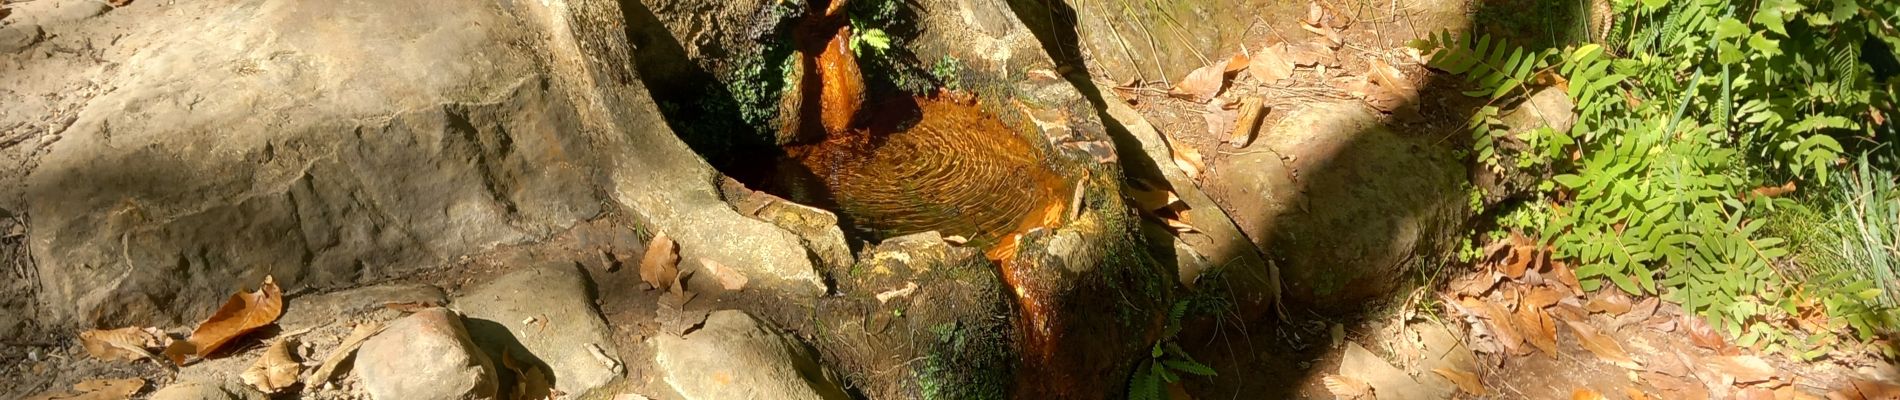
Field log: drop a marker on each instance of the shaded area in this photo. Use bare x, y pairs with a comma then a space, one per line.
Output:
1262, 358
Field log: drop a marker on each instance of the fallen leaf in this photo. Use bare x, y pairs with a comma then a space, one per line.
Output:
1637, 314
1381, 98
675, 318
1862, 389
1522, 251
357, 336
1311, 55
1151, 196
128, 343
273, 372
1539, 329
1476, 285
1389, 77
1348, 388
1271, 65
660, 266
1186, 158
1466, 381
1744, 369
1701, 334
1502, 324
728, 278
96, 389
1567, 277
1606, 348
631, 396
905, 291
1178, 226
1237, 63
1220, 120
1541, 297
1586, 394
1202, 84
119, 3
1771, 191
241, 314
1333, 40
530, 383
1609, 300
1675, 387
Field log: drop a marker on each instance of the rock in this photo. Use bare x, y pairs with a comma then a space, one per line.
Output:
736, 357
1547, 108
544, 315
380, 158
192, 390
1389, 382
15, 38
1347, 206
427, 355
317, 310
75, 10
912, 297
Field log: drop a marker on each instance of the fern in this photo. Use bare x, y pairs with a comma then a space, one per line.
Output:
1165, 359
1705, 100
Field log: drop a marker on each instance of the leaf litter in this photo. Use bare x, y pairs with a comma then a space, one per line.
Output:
242, 313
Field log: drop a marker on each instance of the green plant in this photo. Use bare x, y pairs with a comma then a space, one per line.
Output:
1166, 361
1865, 219
1681, 115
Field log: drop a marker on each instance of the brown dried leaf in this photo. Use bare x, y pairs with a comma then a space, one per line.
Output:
1862, 389
1477, 284
241, 314
357, 336
1541, 297
1502, 324
1151, 196
1606, 348
675, 318
1609, 300
530, 383
1637, 314
1675, 387
1567, 277
728, 278
1771, 191
1333, 40
128, 343
1185, 157
1522, 251
1466, 381
1348, 388
1202, 84
1586, 394
1702, 334
1539, 329
1755, 394
1271, 65
97, 389
273, 372
1390, 78
1744, 369
660, 266
1252, 110
1219, 119
1237, 63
